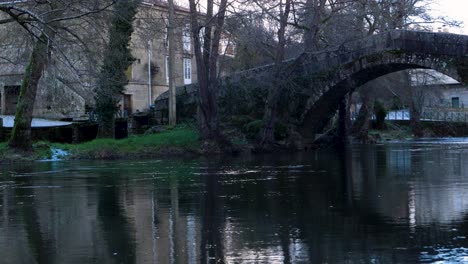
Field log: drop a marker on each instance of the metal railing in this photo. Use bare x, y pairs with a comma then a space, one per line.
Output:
429, 114
433, 114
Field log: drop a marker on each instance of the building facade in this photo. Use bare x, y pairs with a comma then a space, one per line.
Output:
148, 76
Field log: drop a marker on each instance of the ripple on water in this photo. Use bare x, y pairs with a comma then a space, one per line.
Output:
445, 255
40, 187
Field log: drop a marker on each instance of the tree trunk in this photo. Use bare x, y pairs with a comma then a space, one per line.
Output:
267, 136
344, 121
207, 71
21, 135
362, 124
172, 88
208, 112
415, 120
106, 127
313, 19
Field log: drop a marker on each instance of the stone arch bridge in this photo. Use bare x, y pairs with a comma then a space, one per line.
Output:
323, 78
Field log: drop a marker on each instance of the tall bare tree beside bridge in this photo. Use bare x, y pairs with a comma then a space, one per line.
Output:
206, 35
49, 23
283, 10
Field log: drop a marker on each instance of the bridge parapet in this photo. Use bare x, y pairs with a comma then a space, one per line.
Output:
326, 76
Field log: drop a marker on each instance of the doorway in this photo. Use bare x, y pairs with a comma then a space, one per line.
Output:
10, 99
127, 106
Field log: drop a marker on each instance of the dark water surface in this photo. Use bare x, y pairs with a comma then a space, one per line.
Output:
405, 203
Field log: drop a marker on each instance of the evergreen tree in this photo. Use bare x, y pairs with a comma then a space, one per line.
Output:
117, 59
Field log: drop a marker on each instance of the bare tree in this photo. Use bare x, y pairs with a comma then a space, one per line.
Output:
254, 42
421, 91
283, 11
206, 49
48, 23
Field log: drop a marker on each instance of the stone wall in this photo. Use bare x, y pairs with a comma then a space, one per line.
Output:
62, 95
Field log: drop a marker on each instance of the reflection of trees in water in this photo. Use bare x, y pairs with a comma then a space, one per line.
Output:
351, 207
415, 189
421, 184
55, 221
114, 224
58, 223
40, 246
310, 216
212, 220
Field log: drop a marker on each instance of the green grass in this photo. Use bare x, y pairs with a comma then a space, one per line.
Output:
3, 149
393, 133
178, 140
41, 150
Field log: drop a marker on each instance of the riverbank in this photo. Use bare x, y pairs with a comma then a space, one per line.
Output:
178, 141
401, 130
167, 142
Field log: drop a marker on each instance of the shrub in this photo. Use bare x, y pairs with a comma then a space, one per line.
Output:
252, 129
240, 120
380, 114
281, 131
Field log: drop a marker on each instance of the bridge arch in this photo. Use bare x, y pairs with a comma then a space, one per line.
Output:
353, 66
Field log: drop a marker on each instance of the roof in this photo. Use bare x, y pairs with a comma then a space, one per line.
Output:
159, 3
424, 77
164, 4
10, 2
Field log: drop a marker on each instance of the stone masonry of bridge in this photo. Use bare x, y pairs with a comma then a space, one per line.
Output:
326, 77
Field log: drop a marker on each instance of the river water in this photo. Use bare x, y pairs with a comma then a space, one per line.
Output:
396, 203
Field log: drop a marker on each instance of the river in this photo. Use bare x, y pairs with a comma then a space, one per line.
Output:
395, 203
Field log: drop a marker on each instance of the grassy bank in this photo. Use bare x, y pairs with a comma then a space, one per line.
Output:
172, 141
41, 151
178, 141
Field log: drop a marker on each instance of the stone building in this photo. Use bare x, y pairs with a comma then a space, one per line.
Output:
148, 76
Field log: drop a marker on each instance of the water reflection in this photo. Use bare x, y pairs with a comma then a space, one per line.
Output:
383, 204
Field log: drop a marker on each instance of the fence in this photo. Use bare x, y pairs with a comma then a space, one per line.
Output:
445, 116
433, 114
430, 114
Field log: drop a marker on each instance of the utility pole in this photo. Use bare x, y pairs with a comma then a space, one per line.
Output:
172, 88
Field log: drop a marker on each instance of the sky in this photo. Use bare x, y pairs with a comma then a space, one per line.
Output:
454, 9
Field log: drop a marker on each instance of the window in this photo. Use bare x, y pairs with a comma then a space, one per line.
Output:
167, 70
10, 96
186, 38
129, 73
187, 71
166, 37
166, 33
202, 38
455, 102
